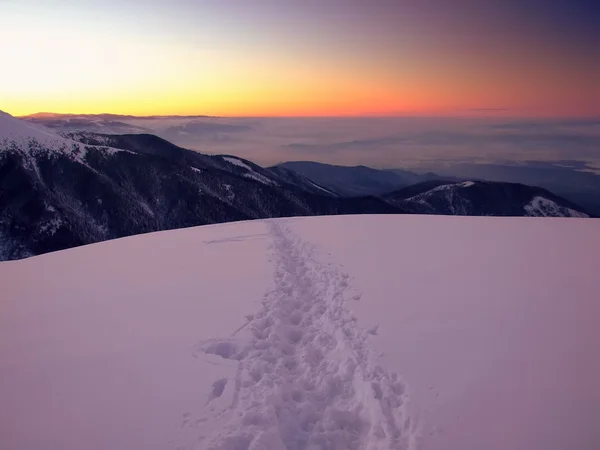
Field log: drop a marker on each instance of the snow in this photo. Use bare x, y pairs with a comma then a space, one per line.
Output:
543, 207
51, 226
456, 208
347, 332
492, 322
260, 178
31, 138
230, 193
82, 135
20, 130
319, 187
422, 197
306, 377
252, 174
146, 208
237, 162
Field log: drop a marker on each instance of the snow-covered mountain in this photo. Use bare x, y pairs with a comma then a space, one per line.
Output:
431, 194
102, 123
352, 181
301, 181
352, 332
154, 145
60, 191
63, 190
482, 198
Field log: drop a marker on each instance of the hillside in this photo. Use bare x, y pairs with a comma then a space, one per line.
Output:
351, 181
350, 332
482, 198
61, 191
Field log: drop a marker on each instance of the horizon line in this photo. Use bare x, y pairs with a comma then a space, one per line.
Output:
456, 115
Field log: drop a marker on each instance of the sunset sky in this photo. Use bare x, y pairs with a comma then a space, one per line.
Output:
301, 57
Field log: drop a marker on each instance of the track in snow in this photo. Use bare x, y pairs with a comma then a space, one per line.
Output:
305, 377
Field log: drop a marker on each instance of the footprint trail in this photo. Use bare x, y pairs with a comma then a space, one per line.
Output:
305, 378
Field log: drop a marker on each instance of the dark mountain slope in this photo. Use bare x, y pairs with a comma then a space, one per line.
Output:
357, 180
56, 193
482, 198
347, 181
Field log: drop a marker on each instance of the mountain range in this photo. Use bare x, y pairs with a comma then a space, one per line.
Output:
58, 192
61, 190
482, 198
570, 172
358, 180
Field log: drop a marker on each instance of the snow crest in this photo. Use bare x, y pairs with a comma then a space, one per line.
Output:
252, 174
237, 162
542, 207
32, 140
306, 377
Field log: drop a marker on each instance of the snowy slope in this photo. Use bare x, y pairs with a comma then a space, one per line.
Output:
56, 193
32, 139
20, 130
543, 207
482, 198
348, 332
250, 170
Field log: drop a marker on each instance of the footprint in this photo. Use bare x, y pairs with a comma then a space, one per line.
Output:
294, 335
377, 390
295, 318
219, 387
306, 366
224, 349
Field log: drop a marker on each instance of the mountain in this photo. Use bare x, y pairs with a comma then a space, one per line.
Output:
374, 332
295, 178
482, 198
169, 127
430, 194
103, 123
58, 192
61, 190
66, 117
576, 181
357, 180
346, 181
154, 145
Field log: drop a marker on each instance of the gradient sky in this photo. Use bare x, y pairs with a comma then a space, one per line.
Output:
301, 57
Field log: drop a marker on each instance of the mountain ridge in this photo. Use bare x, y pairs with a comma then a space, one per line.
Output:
52, 198
483, 198
61, 190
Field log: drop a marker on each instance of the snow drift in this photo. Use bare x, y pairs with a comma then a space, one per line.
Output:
348, 332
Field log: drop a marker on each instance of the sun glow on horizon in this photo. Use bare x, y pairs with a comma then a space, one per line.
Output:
268, 61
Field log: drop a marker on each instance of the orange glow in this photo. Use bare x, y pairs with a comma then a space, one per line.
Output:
87, 70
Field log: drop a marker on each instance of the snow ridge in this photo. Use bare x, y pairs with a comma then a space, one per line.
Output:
306, 377
542, 207
32, 140
444, 187
237, 162
252, 174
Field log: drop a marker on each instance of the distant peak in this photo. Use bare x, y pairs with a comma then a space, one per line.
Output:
41, 115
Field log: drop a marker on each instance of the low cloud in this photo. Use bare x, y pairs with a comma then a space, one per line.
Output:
385, 142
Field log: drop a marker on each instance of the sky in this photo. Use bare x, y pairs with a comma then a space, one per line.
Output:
510, 58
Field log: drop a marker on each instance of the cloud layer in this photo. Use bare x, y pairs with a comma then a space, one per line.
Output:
388, 142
